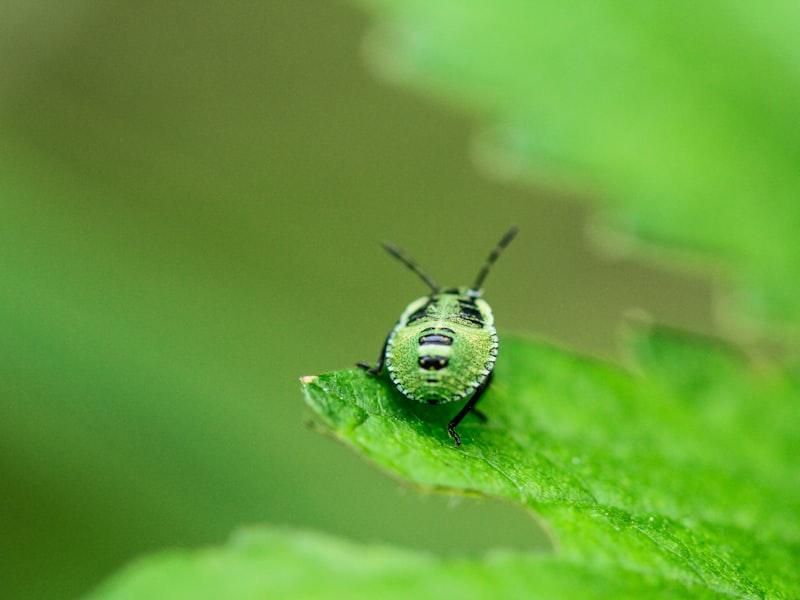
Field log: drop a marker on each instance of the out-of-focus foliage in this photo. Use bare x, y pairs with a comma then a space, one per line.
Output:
682, 116
293, 565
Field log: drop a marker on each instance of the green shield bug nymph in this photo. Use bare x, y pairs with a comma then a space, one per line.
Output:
444, 346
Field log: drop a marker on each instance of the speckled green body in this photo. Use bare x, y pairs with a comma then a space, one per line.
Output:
444, 346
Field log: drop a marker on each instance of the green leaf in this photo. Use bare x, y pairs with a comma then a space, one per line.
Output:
277, 564
683, 471
676, 478
681, 116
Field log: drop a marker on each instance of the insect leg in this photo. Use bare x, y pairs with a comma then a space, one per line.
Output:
379, 366
451, 427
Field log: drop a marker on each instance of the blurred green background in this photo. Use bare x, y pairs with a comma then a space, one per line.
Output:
192, 196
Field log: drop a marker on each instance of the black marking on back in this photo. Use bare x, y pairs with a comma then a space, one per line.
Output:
433, 363
470, 313
468, 310
436, 338
420, 313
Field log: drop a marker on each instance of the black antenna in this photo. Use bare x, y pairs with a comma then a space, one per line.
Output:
411, 264
493, 257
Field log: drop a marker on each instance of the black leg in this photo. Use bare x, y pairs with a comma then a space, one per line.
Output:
378, 367
451, 427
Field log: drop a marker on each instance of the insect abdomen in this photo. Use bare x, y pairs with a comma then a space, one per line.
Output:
442, 349
435, 346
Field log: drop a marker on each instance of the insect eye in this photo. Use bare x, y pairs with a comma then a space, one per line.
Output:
433, 363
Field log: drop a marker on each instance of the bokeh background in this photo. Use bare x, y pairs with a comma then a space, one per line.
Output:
192, 196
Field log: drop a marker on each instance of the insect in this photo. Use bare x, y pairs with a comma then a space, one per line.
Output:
445, 344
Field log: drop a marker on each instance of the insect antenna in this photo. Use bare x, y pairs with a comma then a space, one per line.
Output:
411, 264
493, 257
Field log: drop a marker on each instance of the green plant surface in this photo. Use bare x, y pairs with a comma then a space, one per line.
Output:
683, 469
674, 477
681, 116
276, 564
